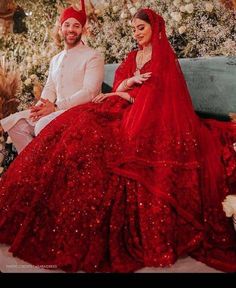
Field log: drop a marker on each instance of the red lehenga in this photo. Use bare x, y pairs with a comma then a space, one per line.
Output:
119, 186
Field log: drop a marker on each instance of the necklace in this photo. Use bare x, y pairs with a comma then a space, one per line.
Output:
143, 56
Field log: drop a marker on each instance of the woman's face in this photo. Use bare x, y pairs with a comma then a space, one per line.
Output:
142, 32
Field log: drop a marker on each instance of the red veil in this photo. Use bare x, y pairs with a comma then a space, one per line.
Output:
162, 128
179, 158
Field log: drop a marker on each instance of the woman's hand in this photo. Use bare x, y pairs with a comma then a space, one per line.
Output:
101, 97
128, 84
138, 79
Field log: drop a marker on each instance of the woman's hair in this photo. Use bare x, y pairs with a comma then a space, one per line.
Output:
140, 14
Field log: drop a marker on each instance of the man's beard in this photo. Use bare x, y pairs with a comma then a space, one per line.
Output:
75, 42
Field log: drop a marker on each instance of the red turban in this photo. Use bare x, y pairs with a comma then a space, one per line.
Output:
70, 12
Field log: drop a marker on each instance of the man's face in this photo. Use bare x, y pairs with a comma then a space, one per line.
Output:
71, 31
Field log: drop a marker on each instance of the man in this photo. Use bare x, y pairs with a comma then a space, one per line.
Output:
75, 77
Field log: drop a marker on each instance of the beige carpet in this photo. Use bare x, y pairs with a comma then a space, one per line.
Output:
9, 264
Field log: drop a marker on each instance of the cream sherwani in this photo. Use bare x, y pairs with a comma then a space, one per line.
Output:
75, 77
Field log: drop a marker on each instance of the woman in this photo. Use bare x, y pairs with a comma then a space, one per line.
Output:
135, 181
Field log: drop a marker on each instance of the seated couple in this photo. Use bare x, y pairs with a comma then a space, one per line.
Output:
133, 178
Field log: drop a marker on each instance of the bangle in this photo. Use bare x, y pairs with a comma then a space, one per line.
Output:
125, 83
131, 99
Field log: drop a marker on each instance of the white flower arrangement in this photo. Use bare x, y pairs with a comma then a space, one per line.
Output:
209, 7
177, 3
189, 8
176, 16
208, 27
182, 29
115, 9
28, 82
234, 144
182, 8
229, 207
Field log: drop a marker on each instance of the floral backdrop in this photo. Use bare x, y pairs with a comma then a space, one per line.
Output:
196, 28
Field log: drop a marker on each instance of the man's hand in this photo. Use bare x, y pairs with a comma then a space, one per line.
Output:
44, 109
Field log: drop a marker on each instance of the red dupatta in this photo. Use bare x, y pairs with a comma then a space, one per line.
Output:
161, 130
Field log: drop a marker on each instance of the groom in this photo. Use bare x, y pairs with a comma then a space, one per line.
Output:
75, 77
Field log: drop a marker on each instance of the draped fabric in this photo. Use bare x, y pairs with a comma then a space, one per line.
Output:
184, 157
119, 186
